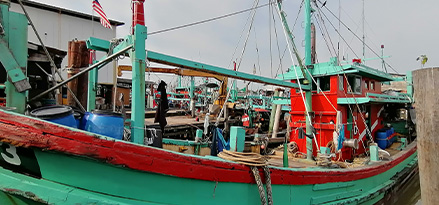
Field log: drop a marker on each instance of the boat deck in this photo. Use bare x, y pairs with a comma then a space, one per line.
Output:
298, 162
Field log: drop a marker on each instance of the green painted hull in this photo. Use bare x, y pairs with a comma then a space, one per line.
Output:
71, 180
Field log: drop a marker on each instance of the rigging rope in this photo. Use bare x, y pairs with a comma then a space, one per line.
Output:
352, 113
269, 32
278, 49
292, 30
324, 36
338, 32
297, 76
207, 20
357, 37
349, 86
240, 60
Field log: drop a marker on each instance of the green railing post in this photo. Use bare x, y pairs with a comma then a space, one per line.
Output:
92, 86
179, 82
14, 57
138, 56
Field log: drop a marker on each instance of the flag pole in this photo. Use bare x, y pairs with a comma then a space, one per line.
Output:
92, 20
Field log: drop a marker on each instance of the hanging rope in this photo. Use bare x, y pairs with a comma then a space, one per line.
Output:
253, 160
268, 184
259, 184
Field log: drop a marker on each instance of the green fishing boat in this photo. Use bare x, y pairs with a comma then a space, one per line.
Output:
44, 162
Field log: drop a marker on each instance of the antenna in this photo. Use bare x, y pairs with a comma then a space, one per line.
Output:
382, 58
339, 30
364, 38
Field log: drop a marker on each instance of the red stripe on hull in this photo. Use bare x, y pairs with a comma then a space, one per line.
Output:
26, 132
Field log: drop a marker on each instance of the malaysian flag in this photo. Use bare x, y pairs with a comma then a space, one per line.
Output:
98, 8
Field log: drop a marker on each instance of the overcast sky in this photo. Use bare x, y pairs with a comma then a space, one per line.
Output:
406, 28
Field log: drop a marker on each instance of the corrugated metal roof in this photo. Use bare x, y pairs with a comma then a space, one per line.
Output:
65, 11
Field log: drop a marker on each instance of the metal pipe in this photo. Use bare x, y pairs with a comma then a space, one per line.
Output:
277, 117
2, 86
273, 112
99, 64
52, 63
68, 89
352, 143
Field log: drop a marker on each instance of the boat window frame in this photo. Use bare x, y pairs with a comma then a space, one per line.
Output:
323, 82
353, 86
340, 82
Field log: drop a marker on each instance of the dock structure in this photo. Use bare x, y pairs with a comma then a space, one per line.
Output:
426, 85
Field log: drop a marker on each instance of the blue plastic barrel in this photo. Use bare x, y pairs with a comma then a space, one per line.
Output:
84, 120
57, 114
389, 131
382, 139
104, 122
78, 114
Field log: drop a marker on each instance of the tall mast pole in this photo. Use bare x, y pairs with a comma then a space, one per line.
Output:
364, 37
308, 65
308, 93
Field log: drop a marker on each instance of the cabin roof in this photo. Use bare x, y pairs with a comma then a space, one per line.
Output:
331, 68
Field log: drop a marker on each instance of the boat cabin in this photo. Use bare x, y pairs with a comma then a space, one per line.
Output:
348, 105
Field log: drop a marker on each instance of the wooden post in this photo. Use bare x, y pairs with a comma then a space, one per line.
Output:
226, 116
78, 58
426, 84
277, 117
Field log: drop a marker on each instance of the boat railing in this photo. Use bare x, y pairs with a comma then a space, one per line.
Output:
397, 97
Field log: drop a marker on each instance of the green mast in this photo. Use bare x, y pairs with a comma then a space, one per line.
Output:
308, 65
308, 93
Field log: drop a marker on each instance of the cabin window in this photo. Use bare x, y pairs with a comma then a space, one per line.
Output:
355, 84
372, 85
323, 82
340, 82
366, 85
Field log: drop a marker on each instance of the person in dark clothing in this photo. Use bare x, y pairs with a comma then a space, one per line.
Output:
163, 106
